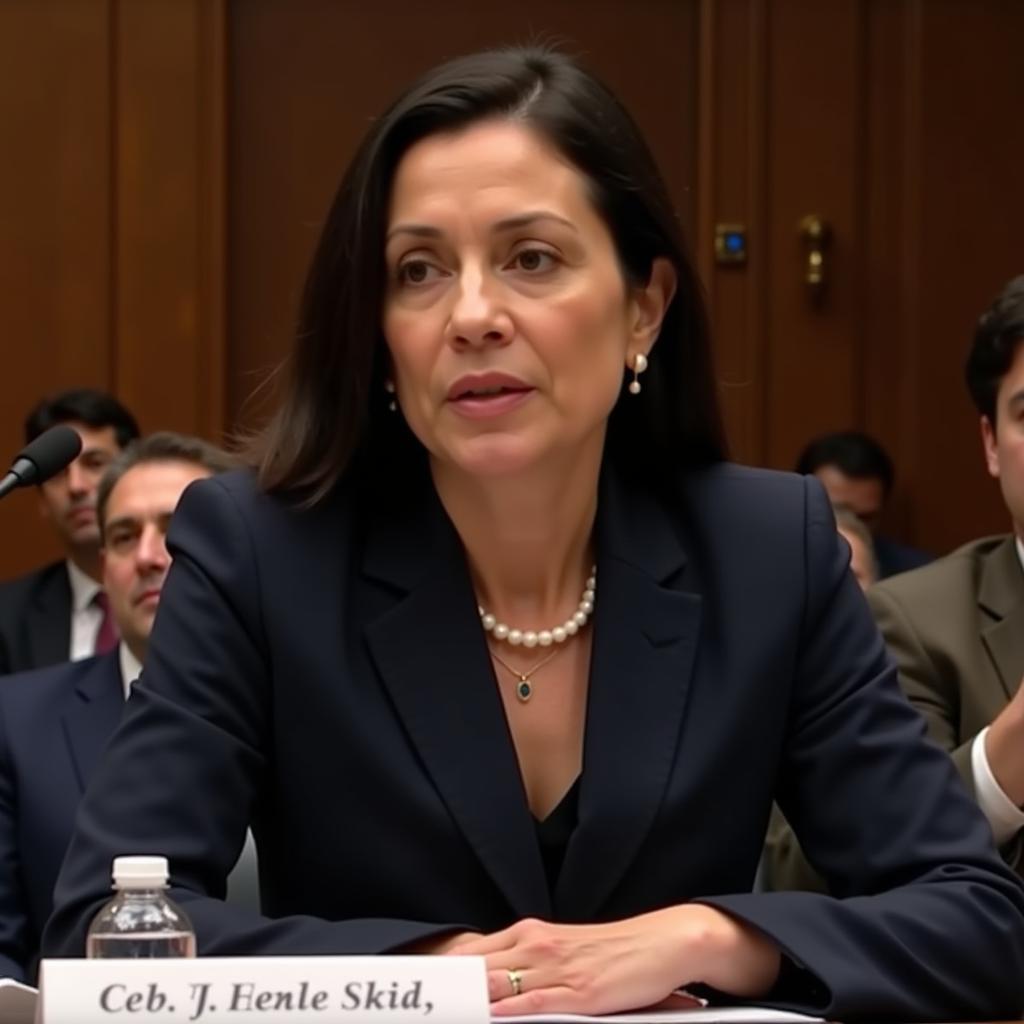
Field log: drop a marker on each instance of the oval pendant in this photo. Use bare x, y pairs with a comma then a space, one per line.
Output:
524, 691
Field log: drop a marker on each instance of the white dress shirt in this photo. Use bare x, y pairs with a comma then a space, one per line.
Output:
85, 616
1005, 817
131, 668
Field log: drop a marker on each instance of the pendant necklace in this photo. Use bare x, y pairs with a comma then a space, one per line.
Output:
524, 688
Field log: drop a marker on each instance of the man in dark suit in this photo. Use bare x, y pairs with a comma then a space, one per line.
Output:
55, 722
59, 612
857, 472
956, 627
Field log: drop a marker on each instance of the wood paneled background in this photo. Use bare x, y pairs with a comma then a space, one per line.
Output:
168, 162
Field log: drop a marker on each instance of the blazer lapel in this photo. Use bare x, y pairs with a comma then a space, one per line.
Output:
49, 620
645, 638
432, 656
94, 713
1001, 596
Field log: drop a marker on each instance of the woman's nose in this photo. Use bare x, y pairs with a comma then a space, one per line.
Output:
478, 317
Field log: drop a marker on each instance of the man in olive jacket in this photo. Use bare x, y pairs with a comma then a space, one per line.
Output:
956, 626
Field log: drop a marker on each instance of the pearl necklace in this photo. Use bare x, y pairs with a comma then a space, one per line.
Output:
545, 637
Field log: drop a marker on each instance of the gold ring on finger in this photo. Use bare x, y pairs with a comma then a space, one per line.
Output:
515, 979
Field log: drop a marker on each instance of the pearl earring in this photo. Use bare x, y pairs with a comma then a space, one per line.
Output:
389, 387
639, 365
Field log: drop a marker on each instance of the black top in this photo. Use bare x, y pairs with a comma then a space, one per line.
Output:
555, 831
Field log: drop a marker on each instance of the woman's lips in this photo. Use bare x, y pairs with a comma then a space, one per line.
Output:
484, 406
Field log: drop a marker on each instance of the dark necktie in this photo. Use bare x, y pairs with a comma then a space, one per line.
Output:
106, 636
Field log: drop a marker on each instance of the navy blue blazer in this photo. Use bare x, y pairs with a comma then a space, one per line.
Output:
54, 723
323, 672
35, 619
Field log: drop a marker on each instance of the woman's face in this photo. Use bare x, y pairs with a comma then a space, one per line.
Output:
507, 317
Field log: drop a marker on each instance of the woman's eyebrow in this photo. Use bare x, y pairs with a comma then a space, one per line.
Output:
523, 220
419, 230
520, 220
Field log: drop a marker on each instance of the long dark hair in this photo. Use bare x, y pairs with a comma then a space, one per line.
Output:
333, 410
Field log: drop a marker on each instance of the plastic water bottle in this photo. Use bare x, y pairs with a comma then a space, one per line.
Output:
140, 922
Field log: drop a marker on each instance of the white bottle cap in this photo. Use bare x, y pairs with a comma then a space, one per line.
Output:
140, 872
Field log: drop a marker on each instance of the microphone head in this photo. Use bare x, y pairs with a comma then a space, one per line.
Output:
48, 454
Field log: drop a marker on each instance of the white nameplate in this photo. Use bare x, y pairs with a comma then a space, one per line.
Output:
273, 990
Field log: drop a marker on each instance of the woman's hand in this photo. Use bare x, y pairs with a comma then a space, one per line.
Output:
624, 965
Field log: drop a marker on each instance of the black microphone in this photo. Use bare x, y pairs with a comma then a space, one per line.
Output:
46, 456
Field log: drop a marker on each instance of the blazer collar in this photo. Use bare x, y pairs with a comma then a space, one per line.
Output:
410, 539
432, 655
1001, 597
94, 713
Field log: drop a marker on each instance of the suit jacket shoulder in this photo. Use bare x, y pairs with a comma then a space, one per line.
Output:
35, 619
741, 525
956, 630
41, 693
945, 585
943, 608
237, 498
17, 592
763, 505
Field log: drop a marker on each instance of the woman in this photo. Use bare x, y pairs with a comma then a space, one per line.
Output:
497, 654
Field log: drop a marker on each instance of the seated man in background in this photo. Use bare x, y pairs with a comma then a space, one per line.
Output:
956, 627
862, 548
857, 472
55, 722
60, 612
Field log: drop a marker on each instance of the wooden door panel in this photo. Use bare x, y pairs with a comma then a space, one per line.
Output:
895, 122
814, 111
54, 226
970, 216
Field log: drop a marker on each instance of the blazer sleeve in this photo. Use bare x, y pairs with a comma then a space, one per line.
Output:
181, 773
882, 815
784, 863
14, 924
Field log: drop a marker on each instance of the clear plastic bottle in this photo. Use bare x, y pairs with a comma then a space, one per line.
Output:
140, 922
